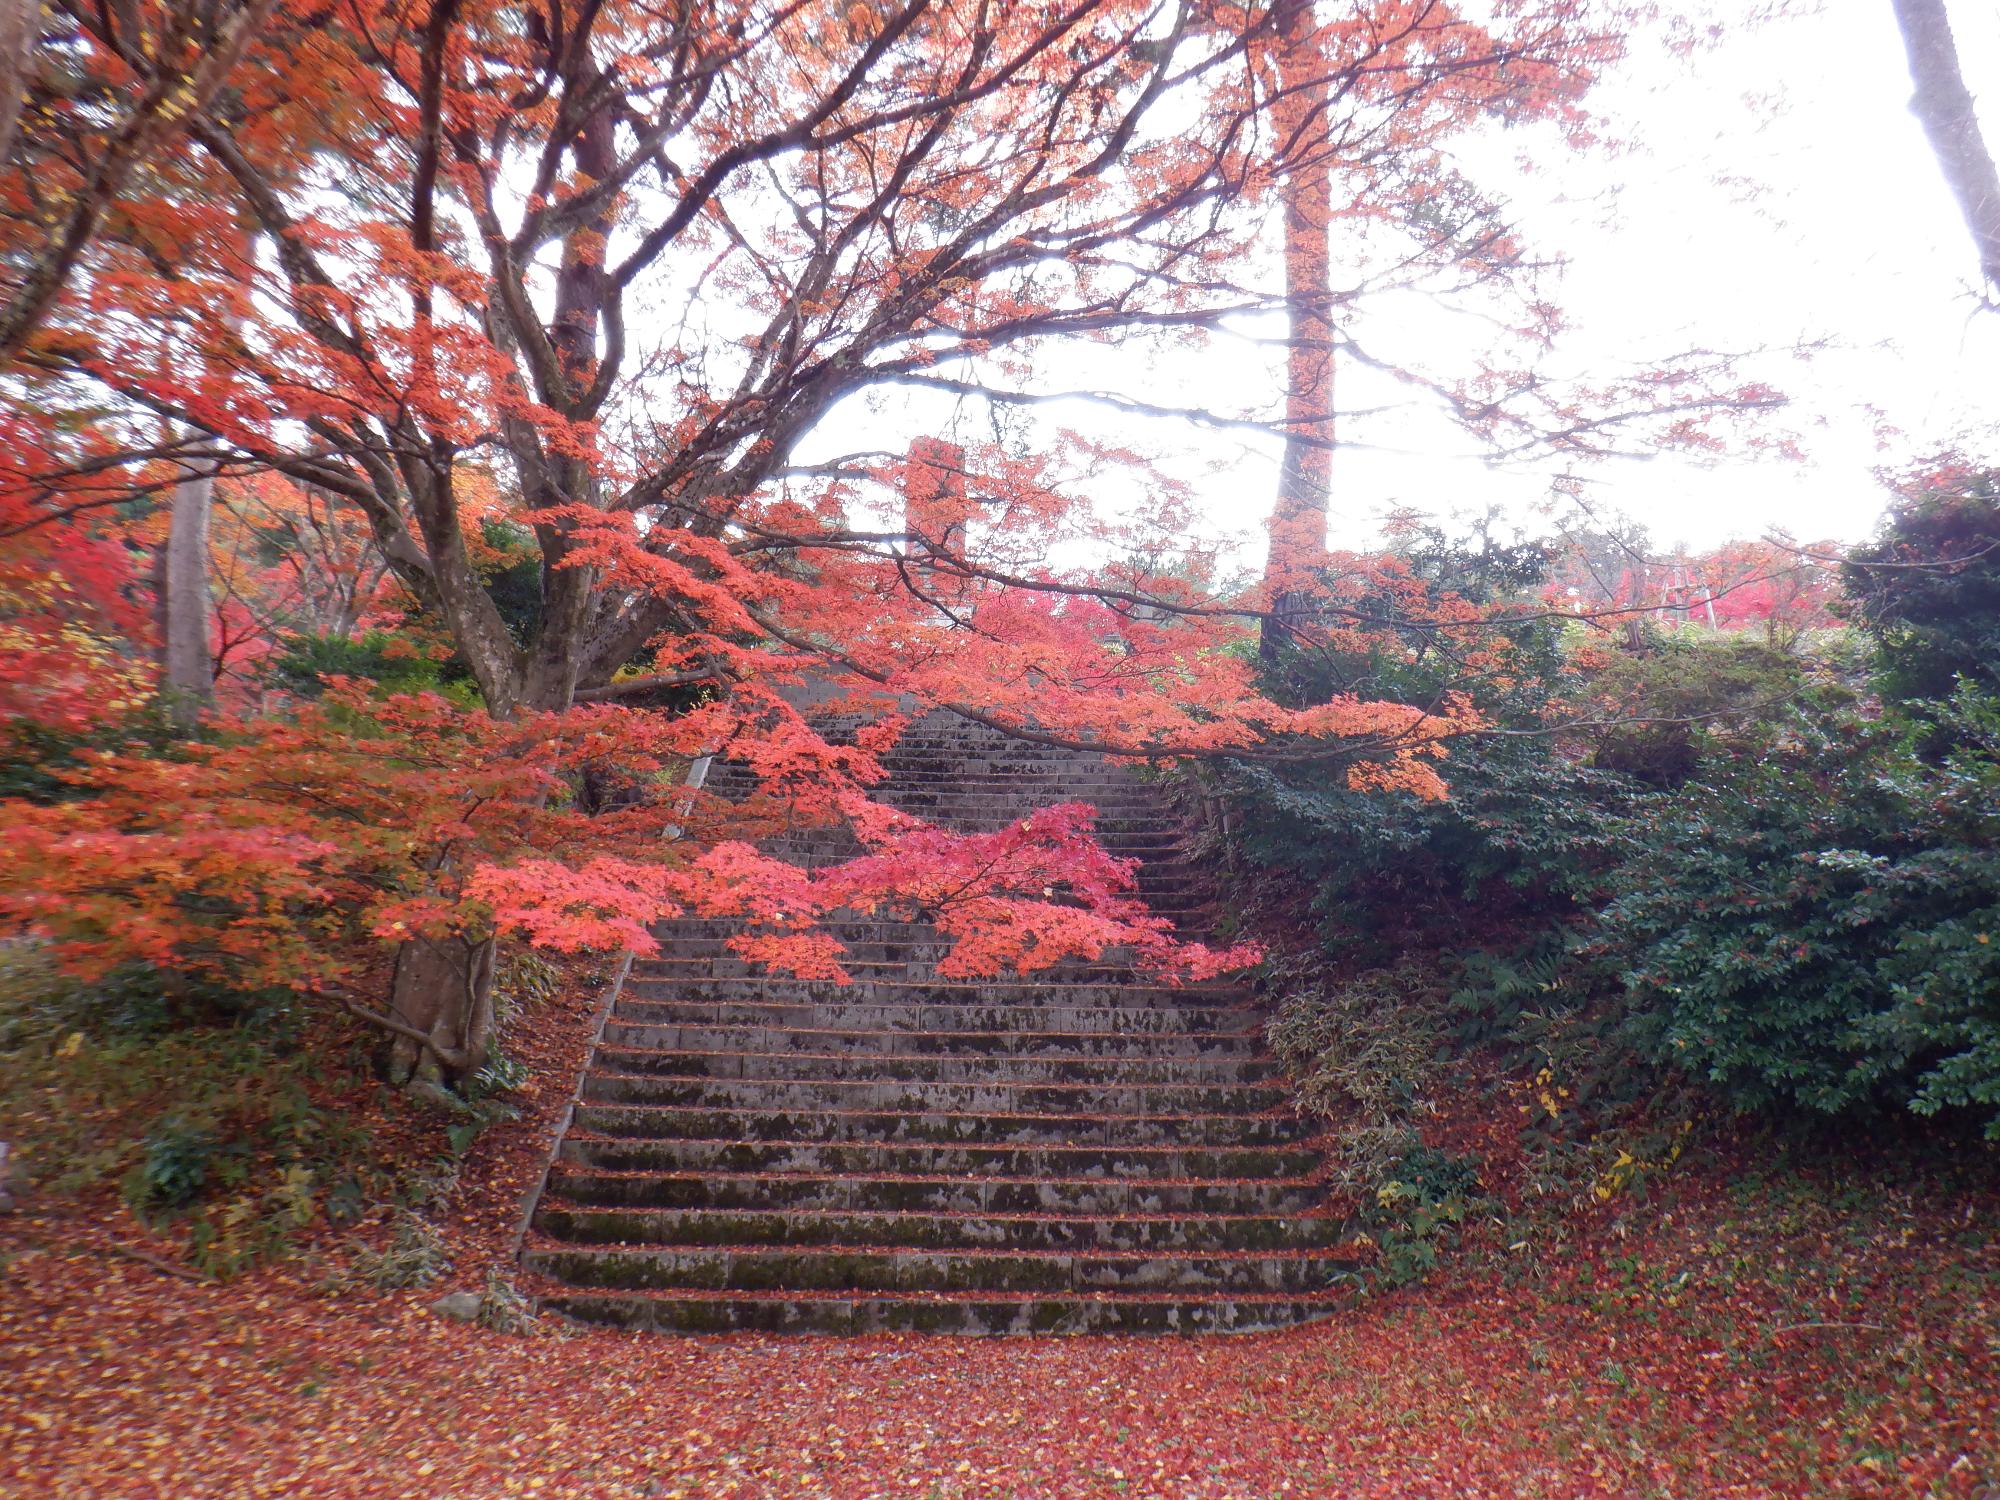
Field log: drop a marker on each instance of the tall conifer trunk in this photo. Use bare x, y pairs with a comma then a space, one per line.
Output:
1305, 476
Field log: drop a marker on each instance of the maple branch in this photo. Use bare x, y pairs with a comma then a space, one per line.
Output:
1116, 400
172, 95
148, 1259
451, 1057
633, 687
1357, 748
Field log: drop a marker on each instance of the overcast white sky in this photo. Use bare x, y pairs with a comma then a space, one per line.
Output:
1850, 235
1780, 193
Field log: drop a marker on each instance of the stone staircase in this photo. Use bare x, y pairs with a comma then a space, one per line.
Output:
1080, 1150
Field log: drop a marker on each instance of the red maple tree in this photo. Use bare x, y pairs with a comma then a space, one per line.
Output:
600, 274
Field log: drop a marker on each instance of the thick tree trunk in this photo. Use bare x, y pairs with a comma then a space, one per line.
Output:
187, 678
1305, 476
1944, 105
443, 990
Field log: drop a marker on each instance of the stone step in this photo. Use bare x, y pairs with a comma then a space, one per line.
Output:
670, 930
873, 1269
1140, 844
862, 929
872, 951
998, 758
1062, 782
1046, 782
692, 1009
1121, 832
992, 820
1036, 1233
862, 973
1114, 823
990, 1127
971, 796
1125, 1163
966, 1313
770, 820
619, 1077
823, 1031
979, 742
1084, 1147
937, 1193
648, 984
1001, 757
1018, 1067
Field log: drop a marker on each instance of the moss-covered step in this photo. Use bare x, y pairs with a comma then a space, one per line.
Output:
971, 1315
892, 1125
848, 1269
679, 966
609, 1083
954, 1192
817, 1029
652, 975
630, 1050
1111, 1164
860, 1012
1093, 1232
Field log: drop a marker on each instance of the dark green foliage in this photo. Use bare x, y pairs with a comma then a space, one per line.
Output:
1928, 587
1694, 697
1819, 928
1506, 997
1480, 568
182, 1161
1785, 898
221, 1112
1416, 1211
376, 656
398, 663
514, 578
138, 1003
34, 757
1526, 831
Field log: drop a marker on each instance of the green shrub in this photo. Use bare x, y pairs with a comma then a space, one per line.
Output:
1690, 699
375, 656
1927, 588
1524, 833
1361, 1051
211, 1111
255, 1226
1820, 929
1417, 1210
181, 1161
414, 1256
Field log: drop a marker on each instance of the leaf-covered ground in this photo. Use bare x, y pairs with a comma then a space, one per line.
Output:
1823, 1332
1758, 1343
